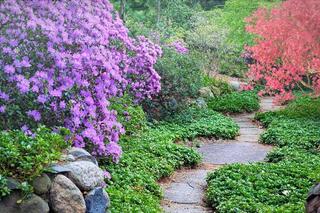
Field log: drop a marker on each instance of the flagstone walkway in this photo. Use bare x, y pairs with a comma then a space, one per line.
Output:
184, 192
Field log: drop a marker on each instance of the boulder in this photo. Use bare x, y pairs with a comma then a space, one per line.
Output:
201, 103
41, 184
68, 157
57, 169
14, 203
215, 91
85, 174
313, 199
97, 201
12, 183
205, 92
235, 85
8, 204
65, 197
172, 104
81, 154
34, 204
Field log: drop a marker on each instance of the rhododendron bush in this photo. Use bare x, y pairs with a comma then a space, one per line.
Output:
62, 61
287, 50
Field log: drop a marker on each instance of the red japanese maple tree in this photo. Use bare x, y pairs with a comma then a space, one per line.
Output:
287, 48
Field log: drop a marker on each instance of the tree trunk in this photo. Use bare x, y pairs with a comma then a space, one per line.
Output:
123, 10
158, 12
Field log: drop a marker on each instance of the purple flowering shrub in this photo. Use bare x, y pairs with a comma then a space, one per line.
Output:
62, 61
180, 47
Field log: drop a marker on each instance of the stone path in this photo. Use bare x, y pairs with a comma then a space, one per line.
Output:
184, 192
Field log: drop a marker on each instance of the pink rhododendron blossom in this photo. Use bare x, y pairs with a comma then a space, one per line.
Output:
68, 58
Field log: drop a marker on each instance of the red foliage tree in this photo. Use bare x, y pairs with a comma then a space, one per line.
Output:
287, 49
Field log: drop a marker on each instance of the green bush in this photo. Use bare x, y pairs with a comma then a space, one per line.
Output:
236, 102
153, 154
181, 78
264, 187
24, 157
4, 190
229, 23
223, 86
131, 116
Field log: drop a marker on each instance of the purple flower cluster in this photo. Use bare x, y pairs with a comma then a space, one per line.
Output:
179, 47
68, 58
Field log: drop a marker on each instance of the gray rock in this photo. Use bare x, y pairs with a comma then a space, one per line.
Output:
12, 183
57, 169
81, 154
14, 204
65, 197
34, 204
201, 103
85, 174
215, 90
313, 200
76, 152
172, 104
205, 92
41, 184
9, 204
235, 85
69, 158
97, 201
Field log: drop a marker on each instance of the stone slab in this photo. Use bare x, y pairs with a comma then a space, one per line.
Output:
185, 208
184, 193
239, 152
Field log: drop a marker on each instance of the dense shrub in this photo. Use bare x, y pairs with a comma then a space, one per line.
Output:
208, 39
153, 154
4, 189
227, 28
25, 156
61, 62
181, 78
223, 86
236, 102
264, 187
284, 60
130, 115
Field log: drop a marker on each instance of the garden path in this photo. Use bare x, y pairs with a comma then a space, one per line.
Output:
184, 192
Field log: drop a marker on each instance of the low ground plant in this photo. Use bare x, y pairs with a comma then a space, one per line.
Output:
24, 157
153, 154
280, 184
264, 187
236, 102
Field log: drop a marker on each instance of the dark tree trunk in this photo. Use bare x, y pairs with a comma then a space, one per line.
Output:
123, 10
158, 11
